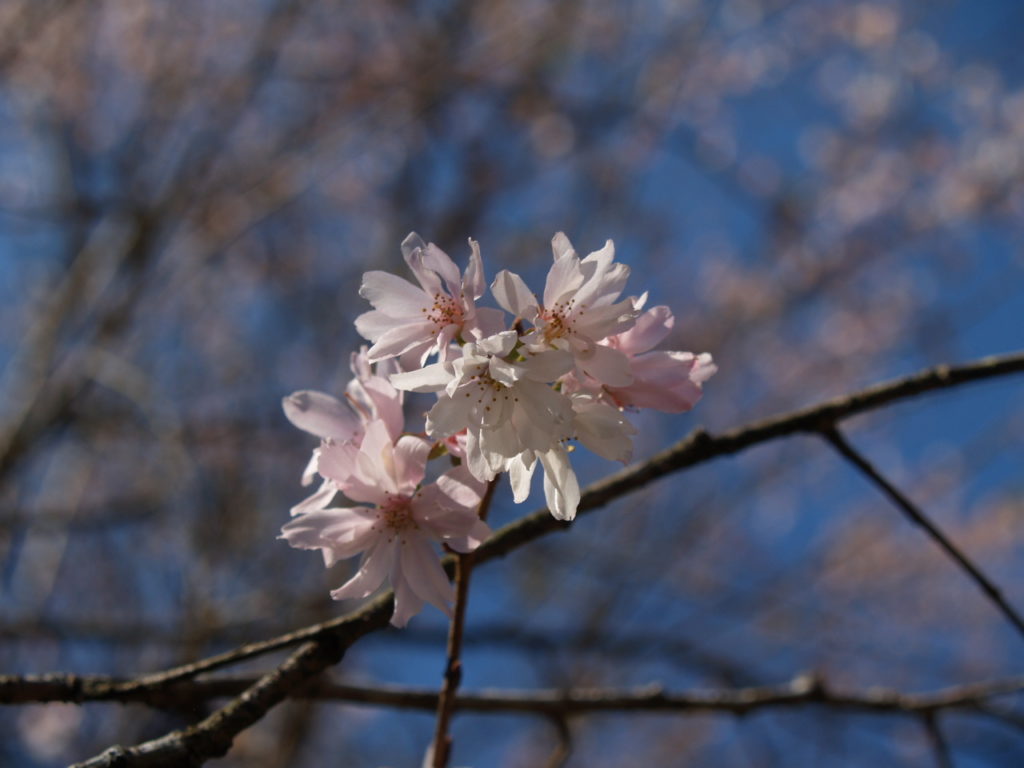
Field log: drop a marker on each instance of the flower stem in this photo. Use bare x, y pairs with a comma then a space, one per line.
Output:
453, 670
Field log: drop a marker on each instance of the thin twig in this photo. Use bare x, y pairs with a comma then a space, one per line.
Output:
916, 516
442, 744
940, 749
563, 750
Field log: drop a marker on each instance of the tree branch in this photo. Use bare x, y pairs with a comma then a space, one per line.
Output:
208, 738
802, 690
916, 516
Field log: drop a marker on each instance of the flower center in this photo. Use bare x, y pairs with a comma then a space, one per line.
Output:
558, 320
486, 391
444, 311
395, 516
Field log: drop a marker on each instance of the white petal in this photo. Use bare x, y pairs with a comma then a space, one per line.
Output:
473, 282
437, 260
561, 488
403, 338
520, 474
605, 431
374, 324
560, 245
499, 345
432, 378
447, 417
392, 295
563, 280
513, 296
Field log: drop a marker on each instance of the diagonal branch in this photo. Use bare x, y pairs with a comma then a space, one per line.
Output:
916, 516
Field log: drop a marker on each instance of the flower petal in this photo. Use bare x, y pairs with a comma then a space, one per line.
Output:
392, 295
561, 488
431, 378
422, 569
513, 296
320, 414
373, 569
473, 282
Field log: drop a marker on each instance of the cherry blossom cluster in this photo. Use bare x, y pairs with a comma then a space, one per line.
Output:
515, 387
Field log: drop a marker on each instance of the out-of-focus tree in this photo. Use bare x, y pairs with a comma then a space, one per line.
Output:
827, 194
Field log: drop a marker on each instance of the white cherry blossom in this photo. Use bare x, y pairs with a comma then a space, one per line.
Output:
579, 309
505, 405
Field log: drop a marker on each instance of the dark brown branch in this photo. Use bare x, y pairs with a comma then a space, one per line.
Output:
802, 690
216, 732
916, 516
212, 737
694, 449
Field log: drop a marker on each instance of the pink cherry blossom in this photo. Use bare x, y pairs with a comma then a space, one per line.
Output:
397, 524
415, 322
369, 396
667, 381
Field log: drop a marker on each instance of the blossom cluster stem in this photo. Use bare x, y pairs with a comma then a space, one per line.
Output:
442, 744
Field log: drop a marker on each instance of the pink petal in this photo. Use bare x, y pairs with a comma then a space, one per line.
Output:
422, 569
375, 462
320, 415
666, 381
650, 329
410, 462
345, 531
316, 501
407, 602
337, 461
607, 365
461, 488
373, 569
